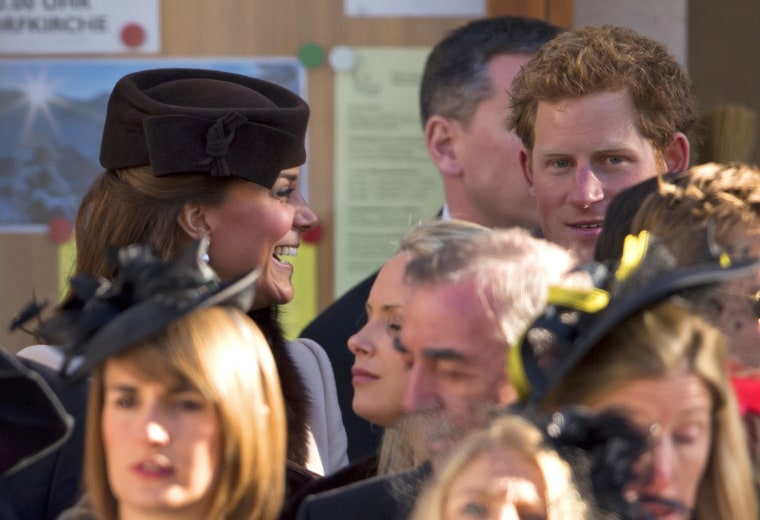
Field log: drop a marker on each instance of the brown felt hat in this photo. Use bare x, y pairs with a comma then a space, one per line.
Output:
195, 120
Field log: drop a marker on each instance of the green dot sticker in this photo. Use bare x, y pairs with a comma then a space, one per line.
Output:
311, 55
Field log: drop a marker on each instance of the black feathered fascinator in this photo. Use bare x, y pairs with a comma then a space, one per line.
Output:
608, 455
101, 319
575, 320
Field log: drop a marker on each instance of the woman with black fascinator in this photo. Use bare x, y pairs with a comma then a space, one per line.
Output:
634, 344
174, 359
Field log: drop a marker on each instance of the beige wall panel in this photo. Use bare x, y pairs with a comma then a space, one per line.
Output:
29, 264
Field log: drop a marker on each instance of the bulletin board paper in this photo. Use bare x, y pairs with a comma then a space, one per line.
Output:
385, 182
79, 26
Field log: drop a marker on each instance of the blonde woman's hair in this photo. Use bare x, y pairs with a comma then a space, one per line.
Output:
658, 342
220, 352
432, 236
508, 432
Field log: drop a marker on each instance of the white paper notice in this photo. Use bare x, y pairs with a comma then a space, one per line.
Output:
416, 8
385, 182
79, 26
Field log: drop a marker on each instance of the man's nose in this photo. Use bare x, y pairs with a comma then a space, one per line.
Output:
509, 512
588, 188
420, 392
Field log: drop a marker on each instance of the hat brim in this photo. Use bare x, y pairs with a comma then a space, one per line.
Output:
660, 288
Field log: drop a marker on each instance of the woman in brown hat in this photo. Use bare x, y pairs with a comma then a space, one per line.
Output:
195, 154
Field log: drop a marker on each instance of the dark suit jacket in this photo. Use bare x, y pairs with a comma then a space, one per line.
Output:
6, 504
380, 498
43, 489
331, 329
361, 470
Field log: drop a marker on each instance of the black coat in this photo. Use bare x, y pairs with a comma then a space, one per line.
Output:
380, 498
360, 470
45, 488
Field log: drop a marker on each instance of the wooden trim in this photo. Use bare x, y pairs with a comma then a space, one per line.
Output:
558, 12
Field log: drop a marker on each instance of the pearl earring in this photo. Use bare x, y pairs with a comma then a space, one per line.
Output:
205, 256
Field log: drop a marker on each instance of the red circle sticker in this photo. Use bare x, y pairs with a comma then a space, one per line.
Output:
59, 230
133, 35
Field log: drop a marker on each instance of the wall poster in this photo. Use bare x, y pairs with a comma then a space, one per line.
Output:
52, 114
385, 182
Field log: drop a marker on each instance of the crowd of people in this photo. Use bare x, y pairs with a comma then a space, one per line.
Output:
574, 336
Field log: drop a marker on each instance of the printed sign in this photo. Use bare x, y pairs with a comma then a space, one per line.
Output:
385, 182
79, 26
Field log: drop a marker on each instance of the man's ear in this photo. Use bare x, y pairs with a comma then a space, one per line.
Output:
440, 135
527, 170
676, 155
193, 219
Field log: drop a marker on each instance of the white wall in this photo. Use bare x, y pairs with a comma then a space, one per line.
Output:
663, 20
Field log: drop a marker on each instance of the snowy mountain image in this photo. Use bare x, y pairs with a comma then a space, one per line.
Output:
51, 119
47, 158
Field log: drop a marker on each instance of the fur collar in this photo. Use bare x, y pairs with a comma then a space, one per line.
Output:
296, 396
